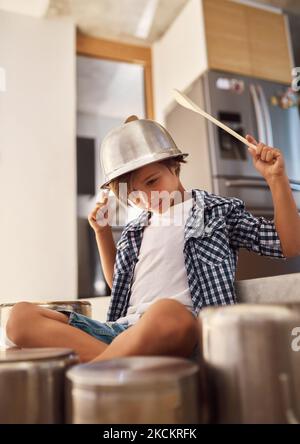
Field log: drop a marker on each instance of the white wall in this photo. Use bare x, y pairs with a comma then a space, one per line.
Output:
37, 159
100, 307
179, 57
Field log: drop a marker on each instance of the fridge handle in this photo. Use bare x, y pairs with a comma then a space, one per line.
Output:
286, 397
267, 116
249, 183
259, 115
255, 183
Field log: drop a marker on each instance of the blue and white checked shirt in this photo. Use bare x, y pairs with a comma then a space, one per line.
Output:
210, 250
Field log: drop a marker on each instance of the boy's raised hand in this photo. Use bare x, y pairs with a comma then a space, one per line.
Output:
99, 213
267, 161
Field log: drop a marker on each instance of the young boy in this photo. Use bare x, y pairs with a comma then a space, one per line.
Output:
163, 273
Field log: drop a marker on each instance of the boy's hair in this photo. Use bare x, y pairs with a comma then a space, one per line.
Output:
126, 178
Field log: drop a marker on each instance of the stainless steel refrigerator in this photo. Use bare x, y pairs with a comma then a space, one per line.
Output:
249, 106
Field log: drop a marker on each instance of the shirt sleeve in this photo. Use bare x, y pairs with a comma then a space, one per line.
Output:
256, 234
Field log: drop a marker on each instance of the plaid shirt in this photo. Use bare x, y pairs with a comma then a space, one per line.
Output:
215, 229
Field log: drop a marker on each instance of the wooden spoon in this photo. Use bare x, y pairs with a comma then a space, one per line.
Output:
185, 101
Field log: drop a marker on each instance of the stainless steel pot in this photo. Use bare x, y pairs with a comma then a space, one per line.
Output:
82, 307
252, 367
135, 390
133, 145
32, 385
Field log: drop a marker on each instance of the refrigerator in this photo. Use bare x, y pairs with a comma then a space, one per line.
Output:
249, 106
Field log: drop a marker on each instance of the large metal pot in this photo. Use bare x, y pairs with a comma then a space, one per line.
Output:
82, 307
32, 385
136, 390
253, 371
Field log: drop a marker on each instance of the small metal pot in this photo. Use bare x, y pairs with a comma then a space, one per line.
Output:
32, 385
252, 368
135, 390
82, 307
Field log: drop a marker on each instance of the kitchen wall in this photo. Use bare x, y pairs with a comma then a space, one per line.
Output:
37, 159
179, 57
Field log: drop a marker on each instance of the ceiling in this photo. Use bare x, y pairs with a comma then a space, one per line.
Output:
131, 21
34, 8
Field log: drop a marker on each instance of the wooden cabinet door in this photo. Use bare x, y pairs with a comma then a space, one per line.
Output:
226, 36
268, 43
246, 40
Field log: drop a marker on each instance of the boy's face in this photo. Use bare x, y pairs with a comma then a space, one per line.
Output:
152, 179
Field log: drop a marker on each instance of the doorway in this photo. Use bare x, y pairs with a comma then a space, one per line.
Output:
114, 80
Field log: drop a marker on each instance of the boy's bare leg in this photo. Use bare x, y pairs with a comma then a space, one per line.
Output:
166, 328
32, 326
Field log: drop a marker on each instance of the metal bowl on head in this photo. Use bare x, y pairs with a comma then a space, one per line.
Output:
133, 145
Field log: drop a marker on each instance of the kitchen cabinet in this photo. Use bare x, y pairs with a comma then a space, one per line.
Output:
226, 39
247, 40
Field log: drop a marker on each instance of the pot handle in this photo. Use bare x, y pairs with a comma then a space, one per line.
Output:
286, 395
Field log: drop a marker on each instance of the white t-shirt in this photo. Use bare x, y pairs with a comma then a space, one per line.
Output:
160, 270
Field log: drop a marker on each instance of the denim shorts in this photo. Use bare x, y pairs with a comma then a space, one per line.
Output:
107, 331
104, 331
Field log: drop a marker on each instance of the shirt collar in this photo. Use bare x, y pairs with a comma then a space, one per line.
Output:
195, 221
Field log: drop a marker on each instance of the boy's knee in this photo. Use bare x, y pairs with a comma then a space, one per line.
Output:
176, 325
173, 313
19, 319
183, 329
169, 307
